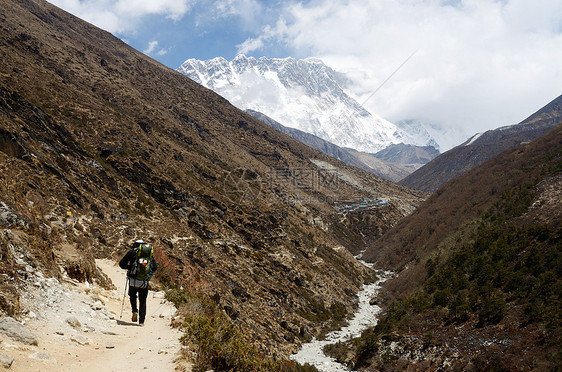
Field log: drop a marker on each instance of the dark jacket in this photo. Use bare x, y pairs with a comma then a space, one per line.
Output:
127, 261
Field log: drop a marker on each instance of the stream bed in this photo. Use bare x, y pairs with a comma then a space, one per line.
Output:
365, 317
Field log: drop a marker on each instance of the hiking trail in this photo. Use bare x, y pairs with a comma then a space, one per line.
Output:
78, 329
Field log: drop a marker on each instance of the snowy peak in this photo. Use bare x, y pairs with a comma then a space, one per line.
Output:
310, 74
304, 94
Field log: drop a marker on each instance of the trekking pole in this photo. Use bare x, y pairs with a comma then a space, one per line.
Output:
124, 294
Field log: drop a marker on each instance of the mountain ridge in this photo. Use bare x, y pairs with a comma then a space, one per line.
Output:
302, 94
388, 170
483, 146
408, 154
479, 272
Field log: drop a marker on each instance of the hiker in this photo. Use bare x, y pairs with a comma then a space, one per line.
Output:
140, 265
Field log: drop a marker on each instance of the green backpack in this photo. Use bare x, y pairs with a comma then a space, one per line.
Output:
140, 269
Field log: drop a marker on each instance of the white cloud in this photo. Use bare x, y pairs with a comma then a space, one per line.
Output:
479, 64
122, 16
247, 15
267, 36
151, 49
173, 9
248, 10
250, 45
151, 46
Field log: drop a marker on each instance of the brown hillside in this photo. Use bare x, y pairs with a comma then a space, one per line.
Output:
457, 204
451, 216
480, 271
101, 145
482, 147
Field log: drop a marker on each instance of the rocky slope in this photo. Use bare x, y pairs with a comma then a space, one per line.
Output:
483, 146
100, 145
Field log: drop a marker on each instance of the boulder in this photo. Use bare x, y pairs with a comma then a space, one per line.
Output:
43, 356
9, 218
6, 360
97, 305
73, 322
13, 329
79, 339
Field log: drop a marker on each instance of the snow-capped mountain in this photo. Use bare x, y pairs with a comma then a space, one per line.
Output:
303, 94
415, 133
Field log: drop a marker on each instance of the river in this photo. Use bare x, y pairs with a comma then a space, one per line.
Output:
365, 317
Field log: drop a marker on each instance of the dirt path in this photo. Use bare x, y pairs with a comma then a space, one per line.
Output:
102, 341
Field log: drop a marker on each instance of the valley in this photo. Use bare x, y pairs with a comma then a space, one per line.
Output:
364, 318
256, 234
101, 145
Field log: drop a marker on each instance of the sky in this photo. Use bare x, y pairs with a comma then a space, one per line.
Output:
458, 66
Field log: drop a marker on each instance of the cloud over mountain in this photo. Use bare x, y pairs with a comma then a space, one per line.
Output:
472, 58
476, 64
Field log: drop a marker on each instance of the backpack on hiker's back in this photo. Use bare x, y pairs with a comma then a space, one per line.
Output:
140, 272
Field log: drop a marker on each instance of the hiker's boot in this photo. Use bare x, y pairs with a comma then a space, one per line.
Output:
135, 317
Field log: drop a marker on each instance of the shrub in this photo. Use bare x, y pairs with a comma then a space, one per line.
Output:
221, 346
218, 343
419, 301
492, 310
441, 297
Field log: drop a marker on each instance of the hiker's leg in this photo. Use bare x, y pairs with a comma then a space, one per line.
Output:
133, 298
143, 294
